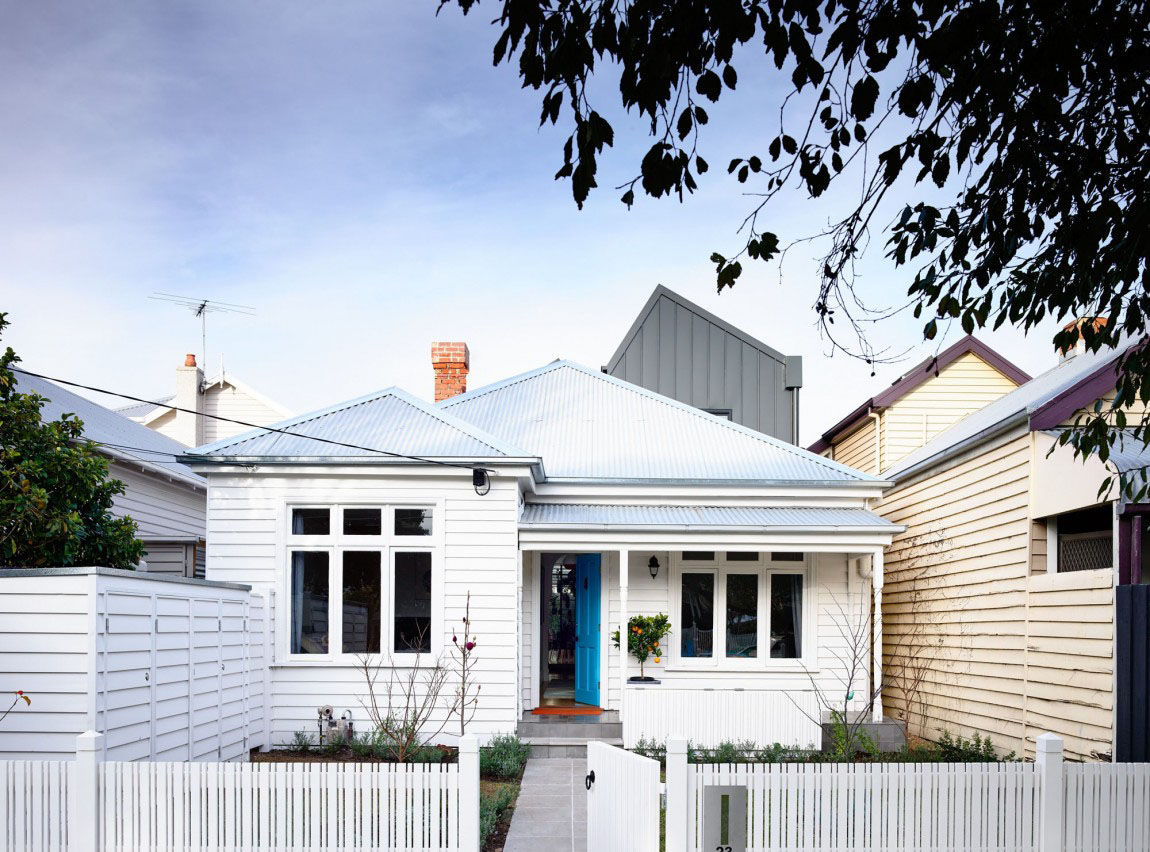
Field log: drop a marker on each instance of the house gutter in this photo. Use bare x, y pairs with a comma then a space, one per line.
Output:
749, 530
1015, 420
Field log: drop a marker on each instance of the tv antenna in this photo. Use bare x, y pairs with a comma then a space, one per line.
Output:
201, 308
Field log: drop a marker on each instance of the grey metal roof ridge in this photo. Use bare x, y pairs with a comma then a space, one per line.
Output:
557, 364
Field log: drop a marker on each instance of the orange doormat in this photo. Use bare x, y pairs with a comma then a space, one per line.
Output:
566, 711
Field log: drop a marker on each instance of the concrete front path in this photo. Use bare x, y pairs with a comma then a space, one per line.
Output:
551, 812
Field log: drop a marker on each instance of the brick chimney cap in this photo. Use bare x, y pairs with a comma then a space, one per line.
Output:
189, 360
450, 352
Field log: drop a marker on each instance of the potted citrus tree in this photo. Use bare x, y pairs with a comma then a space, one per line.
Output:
644, 635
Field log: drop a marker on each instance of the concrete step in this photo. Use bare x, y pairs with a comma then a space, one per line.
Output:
566, 747
555, 726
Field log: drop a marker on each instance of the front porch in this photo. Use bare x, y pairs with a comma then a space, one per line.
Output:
766, 618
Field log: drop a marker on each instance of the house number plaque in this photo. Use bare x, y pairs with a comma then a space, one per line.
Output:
724, 819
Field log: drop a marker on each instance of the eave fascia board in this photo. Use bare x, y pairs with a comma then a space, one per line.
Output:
882, 529
849, 484
1082, 394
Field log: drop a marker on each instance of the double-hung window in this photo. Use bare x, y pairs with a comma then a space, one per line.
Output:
361, 580
740, 608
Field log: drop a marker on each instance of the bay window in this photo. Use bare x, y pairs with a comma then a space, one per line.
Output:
361, 580
757, 599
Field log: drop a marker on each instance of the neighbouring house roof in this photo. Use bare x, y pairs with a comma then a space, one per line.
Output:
1041, 403
821, 518
917, 375
1127, 453
585, 424
391, 420
116, 435
662, 292
146, 412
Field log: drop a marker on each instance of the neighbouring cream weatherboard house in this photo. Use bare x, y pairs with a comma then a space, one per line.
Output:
998, 612
562, 501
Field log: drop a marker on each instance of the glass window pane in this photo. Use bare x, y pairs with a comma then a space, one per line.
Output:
362, 586
742, 615
413, 521
309, 595
362, 522
785, 556
786, 616
412, 603
742, 556
698, 619
311, 521
699, 555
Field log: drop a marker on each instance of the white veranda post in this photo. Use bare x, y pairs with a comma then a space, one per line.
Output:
624, 573
876, 631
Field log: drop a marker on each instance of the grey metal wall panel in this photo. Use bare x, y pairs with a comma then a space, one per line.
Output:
682, 351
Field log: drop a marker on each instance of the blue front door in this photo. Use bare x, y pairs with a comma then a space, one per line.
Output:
587, 629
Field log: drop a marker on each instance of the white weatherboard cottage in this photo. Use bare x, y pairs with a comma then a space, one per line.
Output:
602, 500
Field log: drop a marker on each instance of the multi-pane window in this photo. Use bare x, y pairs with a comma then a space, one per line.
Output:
756, 599
361, 579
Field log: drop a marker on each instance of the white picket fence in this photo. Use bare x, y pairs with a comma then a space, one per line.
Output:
1046, 806
88, 805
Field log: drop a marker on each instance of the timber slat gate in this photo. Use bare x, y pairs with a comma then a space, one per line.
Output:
1132, 673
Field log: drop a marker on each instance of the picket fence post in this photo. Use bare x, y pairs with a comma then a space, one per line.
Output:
83, 809
677, 787
1052, 786
468, 793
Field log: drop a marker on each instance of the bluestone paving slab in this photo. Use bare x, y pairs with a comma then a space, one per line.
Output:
551, 811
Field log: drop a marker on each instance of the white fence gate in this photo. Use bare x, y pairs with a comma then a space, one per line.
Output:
87, 805
623, 800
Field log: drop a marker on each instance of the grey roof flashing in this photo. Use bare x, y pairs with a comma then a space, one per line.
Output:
117, 572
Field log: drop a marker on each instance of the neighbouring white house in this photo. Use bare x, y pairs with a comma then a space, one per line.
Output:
562, 501
163, 497
201, 410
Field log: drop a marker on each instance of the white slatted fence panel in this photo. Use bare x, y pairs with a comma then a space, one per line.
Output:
281, 806
623, 803
988, 807
1106, 807
34, 805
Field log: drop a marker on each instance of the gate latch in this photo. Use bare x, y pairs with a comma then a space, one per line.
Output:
590, 779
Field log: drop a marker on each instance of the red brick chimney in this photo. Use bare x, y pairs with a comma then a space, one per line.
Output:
451, 362
1095, 323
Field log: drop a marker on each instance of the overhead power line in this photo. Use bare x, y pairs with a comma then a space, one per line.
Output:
272, 429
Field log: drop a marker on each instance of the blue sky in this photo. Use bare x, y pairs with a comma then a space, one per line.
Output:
358, 172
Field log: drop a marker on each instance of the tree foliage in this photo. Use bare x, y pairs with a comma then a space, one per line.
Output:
55, 494
1029, 119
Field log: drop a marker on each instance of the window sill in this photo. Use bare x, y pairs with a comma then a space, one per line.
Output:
792, 667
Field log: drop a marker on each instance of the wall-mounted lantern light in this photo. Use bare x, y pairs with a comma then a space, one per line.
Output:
654, 566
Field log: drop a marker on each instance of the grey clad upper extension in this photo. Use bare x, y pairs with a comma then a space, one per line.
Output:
678, 349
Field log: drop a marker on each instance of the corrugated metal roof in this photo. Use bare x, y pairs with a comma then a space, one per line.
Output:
789, 517
1020, 401
1128, 453
585, 424
391, 420
142, 409
154, 451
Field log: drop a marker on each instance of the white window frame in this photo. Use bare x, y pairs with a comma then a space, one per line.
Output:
387, 544
721, 567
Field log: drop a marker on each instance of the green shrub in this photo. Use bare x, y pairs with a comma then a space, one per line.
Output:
361, 746
491, 807
652, 749
300, 741
426, 754
977, 750
503, 756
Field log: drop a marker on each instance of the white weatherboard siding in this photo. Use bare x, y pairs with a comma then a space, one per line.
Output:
160, 507
226, 400
44, 646
165, 668
479, 554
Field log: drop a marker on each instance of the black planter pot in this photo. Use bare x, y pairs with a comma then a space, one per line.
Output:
642, 680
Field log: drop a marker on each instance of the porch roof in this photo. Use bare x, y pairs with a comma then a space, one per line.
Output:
576, 516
